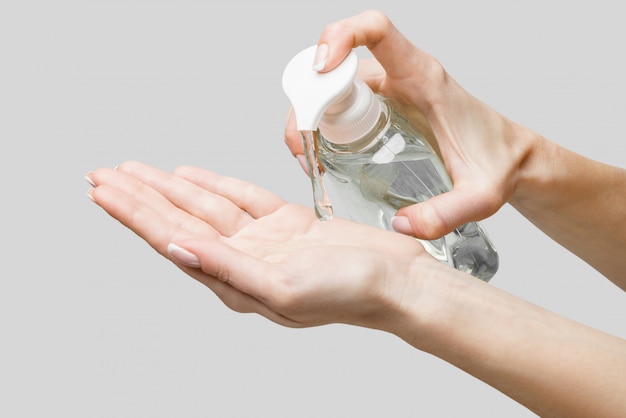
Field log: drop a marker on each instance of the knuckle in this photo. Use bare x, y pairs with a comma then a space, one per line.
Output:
180, 170
380, 19
431, 222
490, 198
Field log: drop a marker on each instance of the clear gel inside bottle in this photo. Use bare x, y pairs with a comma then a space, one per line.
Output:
392, 167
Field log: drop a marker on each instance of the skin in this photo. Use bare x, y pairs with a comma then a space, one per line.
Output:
257, 252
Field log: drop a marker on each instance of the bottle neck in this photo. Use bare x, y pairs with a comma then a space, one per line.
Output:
367, 141
352, 115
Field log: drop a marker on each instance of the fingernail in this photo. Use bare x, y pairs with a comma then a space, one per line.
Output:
89, 180
90, 196
183, 256
402, 225
321, 57
302, 161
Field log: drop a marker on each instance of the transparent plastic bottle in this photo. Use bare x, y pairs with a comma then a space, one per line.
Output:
377, 162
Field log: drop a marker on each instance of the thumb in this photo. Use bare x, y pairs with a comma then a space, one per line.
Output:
443, 213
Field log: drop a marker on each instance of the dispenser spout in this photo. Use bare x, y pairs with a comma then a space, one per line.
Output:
311, 92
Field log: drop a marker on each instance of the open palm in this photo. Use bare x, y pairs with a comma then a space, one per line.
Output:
257, 252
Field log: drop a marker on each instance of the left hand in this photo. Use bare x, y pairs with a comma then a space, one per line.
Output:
259, 253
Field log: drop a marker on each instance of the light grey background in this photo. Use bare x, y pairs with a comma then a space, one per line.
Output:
93, 323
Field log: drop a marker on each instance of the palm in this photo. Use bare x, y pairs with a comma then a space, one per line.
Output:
258, 253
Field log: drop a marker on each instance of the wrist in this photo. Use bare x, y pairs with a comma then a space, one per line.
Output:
537, 169
419, 300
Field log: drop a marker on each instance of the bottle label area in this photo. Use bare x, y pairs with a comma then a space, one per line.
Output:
387, 153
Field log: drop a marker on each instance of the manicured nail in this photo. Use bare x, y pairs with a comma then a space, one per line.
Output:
302, 161
89, 180
402, 225
183, 256
321, 57
90, 196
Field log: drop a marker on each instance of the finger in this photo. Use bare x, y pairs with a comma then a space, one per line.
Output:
117, 194
215, 210
236, 300
249, 275
443, 213
398, 56
252, 199
144, 213
293, 139
373, 30
371, 72
292, 135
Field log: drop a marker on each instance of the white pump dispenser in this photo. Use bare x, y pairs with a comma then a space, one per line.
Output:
342, 107
376, 160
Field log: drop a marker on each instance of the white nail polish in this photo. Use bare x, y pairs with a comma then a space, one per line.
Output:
402, 225
183, 256
89, 180
321, 57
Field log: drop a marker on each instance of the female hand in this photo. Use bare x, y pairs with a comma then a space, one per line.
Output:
483, 151
258, 253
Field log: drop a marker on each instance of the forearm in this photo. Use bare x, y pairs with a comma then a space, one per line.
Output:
553, 366
578, 202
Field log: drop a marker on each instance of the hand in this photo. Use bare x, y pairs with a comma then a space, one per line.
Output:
259, 253
482, 150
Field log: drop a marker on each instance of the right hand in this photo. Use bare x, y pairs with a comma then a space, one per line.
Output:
482, 150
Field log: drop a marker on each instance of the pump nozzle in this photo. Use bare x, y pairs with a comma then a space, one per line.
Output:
343, 108
311, 92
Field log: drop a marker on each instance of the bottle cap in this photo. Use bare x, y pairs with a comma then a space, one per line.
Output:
343, 109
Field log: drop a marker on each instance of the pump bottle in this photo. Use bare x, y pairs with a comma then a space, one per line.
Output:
376, 160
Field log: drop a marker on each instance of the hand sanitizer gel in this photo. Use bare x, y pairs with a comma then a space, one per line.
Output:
377, 162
